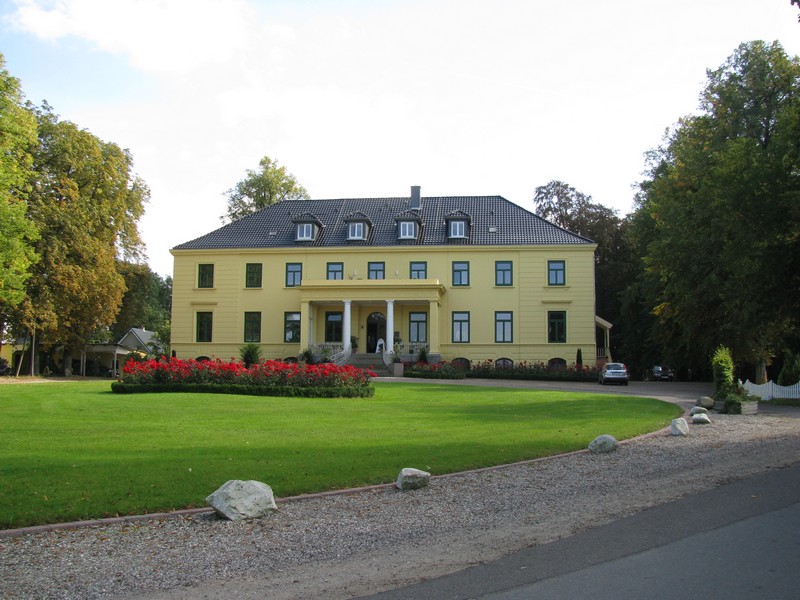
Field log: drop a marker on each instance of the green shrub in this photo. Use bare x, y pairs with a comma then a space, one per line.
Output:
422, 357
734, 400
722, 366
250, 354
442, 370
790, 373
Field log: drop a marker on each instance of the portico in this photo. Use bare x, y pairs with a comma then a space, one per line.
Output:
357, 301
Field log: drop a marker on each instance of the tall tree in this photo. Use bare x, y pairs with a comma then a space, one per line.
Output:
723, 211
86, 202
146, 303
17, 141
267, 185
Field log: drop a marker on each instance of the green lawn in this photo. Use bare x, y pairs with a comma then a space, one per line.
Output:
72, 451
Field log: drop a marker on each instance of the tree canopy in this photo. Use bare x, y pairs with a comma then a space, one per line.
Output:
17, 142
86, 202
718, 219
268, 184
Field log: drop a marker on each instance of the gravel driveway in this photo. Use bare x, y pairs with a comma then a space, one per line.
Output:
346, 545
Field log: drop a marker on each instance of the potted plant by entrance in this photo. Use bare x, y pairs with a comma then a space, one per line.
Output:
396, 367
353, 343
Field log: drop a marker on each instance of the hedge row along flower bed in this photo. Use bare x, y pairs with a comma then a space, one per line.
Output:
488, 370
534, 371
269, 378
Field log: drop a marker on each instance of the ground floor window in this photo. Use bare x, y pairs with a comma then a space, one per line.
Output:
503, 322
205, 322
333, 326
557, 327
418, 327
252, 327
291, 327
460, 327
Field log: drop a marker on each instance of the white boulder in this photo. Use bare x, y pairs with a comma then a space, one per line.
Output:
697, 410
701, 419
603, 443
679, 427
238, 499
412, 479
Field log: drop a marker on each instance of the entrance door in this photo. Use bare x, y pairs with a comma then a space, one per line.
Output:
376, 330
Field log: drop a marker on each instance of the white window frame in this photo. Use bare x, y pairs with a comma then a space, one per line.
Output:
305, 232
458, 228
407, 230
357, 230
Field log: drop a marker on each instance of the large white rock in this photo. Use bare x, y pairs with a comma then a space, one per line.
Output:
603, 443
705, 402
238, 499
679, 427
701, 419
412, 479
697, 410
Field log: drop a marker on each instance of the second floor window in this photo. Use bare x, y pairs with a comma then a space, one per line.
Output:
556, 272
205, 276
335, 271
503, 273
419, 270
294, 274
252, 277
376, 270
460, 273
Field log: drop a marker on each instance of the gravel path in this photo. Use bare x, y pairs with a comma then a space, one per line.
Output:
342, 546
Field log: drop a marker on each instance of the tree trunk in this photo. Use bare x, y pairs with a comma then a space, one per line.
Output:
67, 362
761, 373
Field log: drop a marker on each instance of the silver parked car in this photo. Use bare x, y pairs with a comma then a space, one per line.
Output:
613, 373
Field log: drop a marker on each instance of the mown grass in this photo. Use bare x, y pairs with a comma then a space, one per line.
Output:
72, 451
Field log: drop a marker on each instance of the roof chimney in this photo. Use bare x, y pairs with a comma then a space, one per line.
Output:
416, 202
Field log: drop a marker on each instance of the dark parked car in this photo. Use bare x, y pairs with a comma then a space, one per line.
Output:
613, 373
662, 373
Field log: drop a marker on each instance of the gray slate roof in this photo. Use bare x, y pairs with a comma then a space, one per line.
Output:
494, 221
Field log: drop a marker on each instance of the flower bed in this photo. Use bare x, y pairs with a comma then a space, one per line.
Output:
269, 378
534, 371
441, 370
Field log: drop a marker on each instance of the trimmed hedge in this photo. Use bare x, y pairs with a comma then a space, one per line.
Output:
120, 387
442, 370
534, 372
268, 378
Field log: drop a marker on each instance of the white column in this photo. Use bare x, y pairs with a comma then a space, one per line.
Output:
346, 326
390, 325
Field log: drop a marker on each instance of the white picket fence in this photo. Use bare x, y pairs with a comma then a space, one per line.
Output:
766, 391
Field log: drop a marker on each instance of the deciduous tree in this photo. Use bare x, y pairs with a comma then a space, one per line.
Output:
722, 206
267, 185
86, 202
17, 140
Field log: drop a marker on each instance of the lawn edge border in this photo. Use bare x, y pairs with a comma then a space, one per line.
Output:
73, 525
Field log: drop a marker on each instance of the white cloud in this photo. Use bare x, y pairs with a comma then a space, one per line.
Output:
367, 98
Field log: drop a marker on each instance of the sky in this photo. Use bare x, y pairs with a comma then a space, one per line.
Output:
365, 98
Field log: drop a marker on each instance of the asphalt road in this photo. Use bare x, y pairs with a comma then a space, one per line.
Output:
740, 540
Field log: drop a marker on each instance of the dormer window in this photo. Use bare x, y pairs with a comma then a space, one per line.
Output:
306, 227
458, 228
458, 223
305, 232
357, 230
406, 230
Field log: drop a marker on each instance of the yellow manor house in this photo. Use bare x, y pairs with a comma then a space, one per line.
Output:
465, 277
